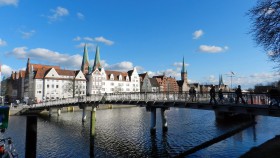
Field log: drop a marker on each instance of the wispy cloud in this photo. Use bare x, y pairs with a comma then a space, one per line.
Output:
88, 39
57, 14
8, 2
78, 38
80, 16
197, 34
103, 40
100, 39
2, 42
212, 49
28, 34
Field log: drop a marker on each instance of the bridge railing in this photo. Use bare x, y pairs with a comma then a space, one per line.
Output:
229, 97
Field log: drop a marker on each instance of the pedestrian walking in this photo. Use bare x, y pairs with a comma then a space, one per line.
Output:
212, 95
191, 94
194, 95
221, 96
238, 93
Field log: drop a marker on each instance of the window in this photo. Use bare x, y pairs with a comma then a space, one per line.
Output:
48, 86
52, 86
56, 86
112, 83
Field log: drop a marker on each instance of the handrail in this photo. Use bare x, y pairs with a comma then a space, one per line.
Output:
229, 97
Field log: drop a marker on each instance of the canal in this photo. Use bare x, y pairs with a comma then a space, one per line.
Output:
124, 132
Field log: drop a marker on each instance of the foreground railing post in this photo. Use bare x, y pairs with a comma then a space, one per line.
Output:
92, 130
31, 137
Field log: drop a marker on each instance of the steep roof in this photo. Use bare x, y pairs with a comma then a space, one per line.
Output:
116, 74
85, 61
154, 82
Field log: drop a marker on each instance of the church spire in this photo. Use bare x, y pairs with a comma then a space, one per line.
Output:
97, 64
85, 62
221, 82
183, 66
183, 71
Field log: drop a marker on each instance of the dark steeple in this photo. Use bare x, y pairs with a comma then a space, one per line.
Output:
221, 82
97, 63
85, 62
184, 71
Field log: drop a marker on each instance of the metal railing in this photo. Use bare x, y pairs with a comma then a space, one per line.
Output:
229, 98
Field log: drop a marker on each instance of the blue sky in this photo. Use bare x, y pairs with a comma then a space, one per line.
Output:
153, 35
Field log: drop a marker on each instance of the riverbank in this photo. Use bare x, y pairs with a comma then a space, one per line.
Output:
268, 149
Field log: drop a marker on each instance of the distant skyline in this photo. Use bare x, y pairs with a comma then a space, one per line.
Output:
154, 36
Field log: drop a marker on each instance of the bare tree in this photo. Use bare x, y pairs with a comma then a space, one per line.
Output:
265, 29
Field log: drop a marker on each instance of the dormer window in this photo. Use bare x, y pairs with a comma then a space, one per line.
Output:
120, 77
111, 77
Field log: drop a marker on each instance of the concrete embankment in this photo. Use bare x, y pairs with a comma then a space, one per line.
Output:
216, 140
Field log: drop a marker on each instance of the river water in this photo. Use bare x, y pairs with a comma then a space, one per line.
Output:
124, 132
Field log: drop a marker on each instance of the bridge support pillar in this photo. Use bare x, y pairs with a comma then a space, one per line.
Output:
58, 112
84, 116
163, 119
153, 120
50, 111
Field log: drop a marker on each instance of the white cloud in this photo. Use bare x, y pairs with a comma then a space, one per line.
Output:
48, 57
28, 34
212, 49
80, 16
6, 70
197, 34
19, 52
122, 66
8, 2
103, 40
58, 13
2, 42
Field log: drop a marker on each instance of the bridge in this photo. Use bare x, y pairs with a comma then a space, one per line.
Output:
256, 104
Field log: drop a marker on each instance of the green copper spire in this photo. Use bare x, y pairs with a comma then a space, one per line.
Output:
85, 62
97, 64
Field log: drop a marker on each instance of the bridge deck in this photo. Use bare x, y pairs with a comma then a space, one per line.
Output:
257, 104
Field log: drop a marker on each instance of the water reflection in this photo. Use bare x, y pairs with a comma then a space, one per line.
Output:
125, 133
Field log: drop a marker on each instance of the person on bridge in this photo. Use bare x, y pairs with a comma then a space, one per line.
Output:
238, 93
212, 95
221, 96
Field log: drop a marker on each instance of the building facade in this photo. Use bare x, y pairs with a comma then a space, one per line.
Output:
44, 82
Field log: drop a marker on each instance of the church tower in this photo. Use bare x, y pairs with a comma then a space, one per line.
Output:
97, 63
221, 82
85, 62
184, 74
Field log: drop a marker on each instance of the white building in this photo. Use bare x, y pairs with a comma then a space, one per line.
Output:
106, 81
43, 83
